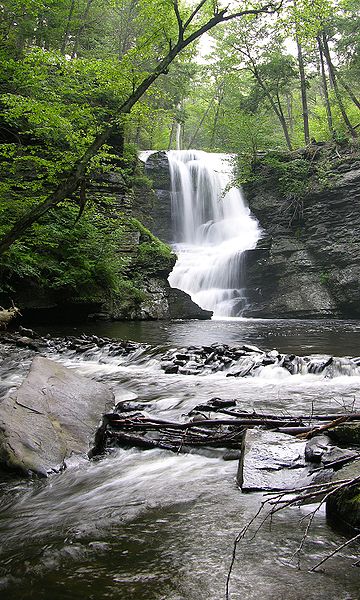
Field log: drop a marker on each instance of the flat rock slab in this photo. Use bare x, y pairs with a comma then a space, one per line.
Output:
54, 414
272, 461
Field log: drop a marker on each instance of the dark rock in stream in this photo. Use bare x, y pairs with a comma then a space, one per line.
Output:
317, 447
27, 343
182, 307
221, 403
320, 449
243, 361
346, 433
343, 507
130, 406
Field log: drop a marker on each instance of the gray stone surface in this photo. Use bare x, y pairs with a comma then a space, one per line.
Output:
347, 433
320, 449
159, 214
53, 415
182, 307
272, 461
309, 266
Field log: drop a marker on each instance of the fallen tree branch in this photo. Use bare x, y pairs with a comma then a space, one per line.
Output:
316, 430
347, 543
291, 498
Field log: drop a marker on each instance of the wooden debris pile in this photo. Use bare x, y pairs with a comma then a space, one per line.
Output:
129, 427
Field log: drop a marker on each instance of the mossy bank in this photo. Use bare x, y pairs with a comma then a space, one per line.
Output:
92, 258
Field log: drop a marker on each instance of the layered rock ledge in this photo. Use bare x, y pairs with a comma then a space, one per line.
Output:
307, 265
52, 416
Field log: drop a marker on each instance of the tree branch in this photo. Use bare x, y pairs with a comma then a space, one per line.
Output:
194, 13
179, 21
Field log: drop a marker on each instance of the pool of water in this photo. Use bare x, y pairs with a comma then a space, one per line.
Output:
341, 338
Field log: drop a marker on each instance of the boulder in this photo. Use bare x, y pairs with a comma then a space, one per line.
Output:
181, 306
343, 507
53, 415
272, 461
346, 433
320, 449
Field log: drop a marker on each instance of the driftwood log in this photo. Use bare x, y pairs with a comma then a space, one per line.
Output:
136, 429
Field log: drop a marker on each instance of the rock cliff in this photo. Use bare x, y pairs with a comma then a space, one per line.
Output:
307, 264
157, 216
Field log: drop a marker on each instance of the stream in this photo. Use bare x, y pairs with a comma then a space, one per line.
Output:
153, 525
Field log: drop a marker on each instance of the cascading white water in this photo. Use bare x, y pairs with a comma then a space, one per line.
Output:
212, 229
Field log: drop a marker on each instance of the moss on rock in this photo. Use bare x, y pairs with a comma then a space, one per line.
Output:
343, 507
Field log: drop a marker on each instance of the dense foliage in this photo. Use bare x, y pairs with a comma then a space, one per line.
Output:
273, 79
280, 81
65, 69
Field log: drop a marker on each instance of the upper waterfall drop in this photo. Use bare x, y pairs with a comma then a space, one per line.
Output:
212, 227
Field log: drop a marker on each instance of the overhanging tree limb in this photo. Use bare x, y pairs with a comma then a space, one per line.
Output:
73, 178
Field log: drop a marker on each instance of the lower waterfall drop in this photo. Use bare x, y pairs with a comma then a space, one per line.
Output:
212, 229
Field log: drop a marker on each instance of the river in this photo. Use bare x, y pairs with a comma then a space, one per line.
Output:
151, 525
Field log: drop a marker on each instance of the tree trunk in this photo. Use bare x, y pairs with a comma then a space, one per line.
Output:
289, 107
205, 114
325, 88
216, 118
330, 66
67, 29
276, 108
172, 134
305, 110
348, 89
81, 28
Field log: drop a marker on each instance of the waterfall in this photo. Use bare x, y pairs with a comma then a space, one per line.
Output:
212, 228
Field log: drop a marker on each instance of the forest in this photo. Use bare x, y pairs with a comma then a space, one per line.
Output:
86, 84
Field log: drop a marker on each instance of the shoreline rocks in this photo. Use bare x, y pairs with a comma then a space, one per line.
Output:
244, 360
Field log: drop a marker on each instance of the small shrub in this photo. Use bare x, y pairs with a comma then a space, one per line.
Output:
324, 278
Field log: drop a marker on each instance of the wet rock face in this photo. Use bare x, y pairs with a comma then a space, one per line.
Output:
53, 415
347, 433
308, 264
272, 461
343, 507
157, 169
182, 307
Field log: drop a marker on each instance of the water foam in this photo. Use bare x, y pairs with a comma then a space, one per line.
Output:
212, 228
